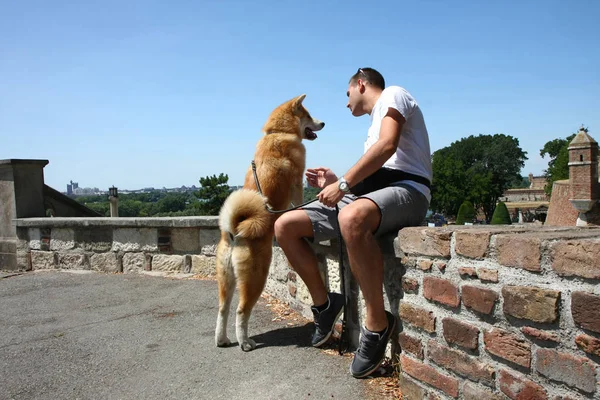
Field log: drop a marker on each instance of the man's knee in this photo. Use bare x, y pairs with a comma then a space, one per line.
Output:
292, 224
359, 218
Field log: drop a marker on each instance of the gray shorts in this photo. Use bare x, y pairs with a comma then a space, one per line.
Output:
400, 206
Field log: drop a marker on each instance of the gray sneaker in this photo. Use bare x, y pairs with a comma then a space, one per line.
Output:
325, 320
371, 349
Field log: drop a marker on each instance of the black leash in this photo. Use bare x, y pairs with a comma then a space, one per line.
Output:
343, 339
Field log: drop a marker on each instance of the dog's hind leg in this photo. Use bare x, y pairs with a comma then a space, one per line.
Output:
251, 282
226, 281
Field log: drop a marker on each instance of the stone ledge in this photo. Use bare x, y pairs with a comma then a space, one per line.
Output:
150, 222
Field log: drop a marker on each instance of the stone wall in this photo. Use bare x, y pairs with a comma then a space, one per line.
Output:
486, 312
127, 245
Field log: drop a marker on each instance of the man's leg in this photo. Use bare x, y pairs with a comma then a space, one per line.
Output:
358, 221
290, 230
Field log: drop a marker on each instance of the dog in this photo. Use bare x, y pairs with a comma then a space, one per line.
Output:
247, 227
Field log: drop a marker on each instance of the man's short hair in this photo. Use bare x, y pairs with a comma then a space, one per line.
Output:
369, 75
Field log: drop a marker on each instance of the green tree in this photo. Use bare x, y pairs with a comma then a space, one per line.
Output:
479, 168
212, 194
466, 213
501, 215
558, 165
310, 193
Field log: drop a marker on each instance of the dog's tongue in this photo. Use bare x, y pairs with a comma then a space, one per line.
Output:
310, 135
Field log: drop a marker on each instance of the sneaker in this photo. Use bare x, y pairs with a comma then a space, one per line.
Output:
325, 320
371, 349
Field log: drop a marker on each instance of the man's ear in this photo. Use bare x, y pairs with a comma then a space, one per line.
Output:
298, 101
361, 86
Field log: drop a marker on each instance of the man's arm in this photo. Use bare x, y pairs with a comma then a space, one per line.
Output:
380, 151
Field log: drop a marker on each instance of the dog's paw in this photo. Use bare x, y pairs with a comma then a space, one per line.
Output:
248, 345
223, 342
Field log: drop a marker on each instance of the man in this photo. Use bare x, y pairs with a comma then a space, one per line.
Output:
392, 197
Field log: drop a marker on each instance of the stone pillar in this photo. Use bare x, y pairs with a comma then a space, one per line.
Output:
583, 174
21, 196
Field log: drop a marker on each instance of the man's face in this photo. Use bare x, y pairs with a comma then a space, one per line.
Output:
355, 99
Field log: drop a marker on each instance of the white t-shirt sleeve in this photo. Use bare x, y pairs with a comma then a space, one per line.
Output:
398, 99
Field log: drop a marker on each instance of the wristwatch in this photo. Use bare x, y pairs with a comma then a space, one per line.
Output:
343, 185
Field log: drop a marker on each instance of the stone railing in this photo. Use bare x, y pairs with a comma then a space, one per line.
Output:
486, 312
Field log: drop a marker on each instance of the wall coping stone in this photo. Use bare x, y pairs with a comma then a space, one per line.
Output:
120, 222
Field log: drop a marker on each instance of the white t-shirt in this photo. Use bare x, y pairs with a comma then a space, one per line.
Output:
413, 154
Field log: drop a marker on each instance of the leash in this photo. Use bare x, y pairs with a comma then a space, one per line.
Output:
268, 207
343, 342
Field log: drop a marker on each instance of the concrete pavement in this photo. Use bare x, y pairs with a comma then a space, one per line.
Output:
115, 336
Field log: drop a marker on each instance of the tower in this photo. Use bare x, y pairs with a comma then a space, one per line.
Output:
583, 174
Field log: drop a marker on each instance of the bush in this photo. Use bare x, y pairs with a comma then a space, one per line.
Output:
466, 213
501, 216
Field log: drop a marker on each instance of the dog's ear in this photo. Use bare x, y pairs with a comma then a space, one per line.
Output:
298, 101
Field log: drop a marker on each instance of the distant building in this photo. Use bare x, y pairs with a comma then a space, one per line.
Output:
533, 202
72, 186
537, 182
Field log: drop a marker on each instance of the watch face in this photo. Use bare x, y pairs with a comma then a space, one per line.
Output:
344, 186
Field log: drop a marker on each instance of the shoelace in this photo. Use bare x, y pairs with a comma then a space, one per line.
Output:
366, 345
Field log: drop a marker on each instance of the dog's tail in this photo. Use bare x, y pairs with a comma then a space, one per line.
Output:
244, 215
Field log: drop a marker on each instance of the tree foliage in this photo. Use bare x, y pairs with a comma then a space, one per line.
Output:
466, 213
558, 165
476, 168
501, 215
212, 194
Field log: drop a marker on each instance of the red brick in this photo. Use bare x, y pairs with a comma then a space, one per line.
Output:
577, 258
429, 375
487, 275
540, 335
562, 367
468, 271
474, 392
418, 317
431, 242
588, 344
410, 285
425, 265
479, 299
460, 363
411, 344
532, 303
410, 390
472, 244
585, 308
459, 333
520, 389
505, 345
441, 290
519, 251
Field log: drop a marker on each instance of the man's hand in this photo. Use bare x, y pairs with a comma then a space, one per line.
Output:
330, 195
320, 177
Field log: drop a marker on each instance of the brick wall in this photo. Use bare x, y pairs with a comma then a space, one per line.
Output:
514, 313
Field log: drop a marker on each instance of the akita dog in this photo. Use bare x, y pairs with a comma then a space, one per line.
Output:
245, 249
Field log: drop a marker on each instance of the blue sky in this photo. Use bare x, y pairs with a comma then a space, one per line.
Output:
151, 93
